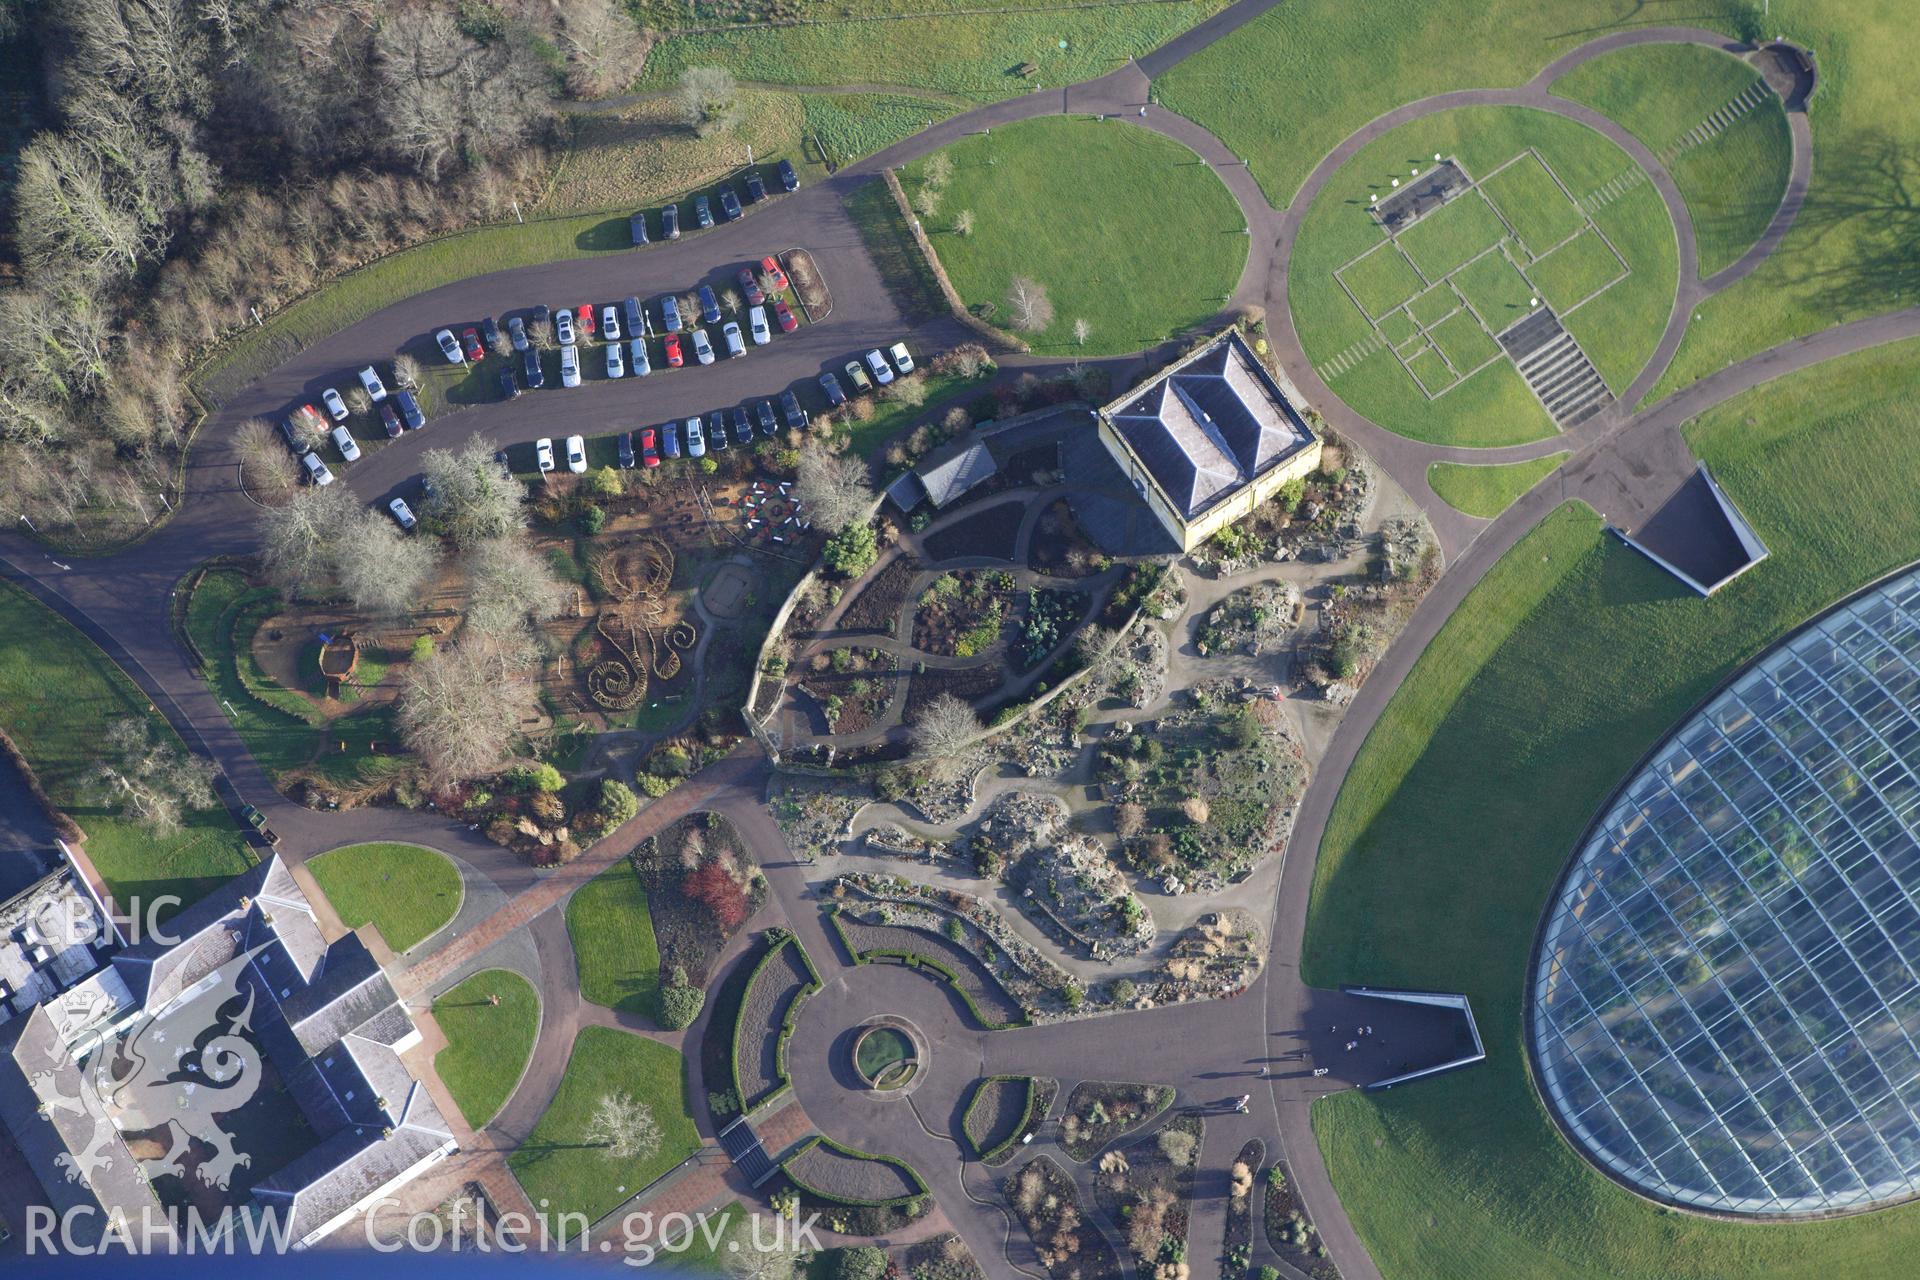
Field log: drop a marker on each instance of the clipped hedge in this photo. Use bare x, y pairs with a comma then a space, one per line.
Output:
785, 1082
989, 1154
917, 960
852, 1153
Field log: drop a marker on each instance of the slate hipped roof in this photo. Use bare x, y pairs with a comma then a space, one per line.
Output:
1209, 425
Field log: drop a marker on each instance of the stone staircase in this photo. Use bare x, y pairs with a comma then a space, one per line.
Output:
1555, 367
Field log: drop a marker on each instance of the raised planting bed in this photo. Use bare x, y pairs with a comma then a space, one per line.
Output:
877, 607
775, 990
1003, 1110
1100, 1111
989, 534
988, 1001
1050, 617
1290, 1230
969, 684
1060, 549
843, 1175
724, 1004
852, 687
1068, 1246
1146, 1190
961, 613
1243, 1173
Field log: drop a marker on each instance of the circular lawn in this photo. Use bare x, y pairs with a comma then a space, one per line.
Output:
406, 891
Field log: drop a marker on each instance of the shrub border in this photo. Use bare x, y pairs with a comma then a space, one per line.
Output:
1026, 1116
785, 1082
918, 960
818, 1140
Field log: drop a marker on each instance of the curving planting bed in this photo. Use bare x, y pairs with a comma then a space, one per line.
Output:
1002, 1109
985, 998
830, 1171
781, 982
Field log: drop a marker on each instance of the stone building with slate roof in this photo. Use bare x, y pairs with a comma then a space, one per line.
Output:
1209, 439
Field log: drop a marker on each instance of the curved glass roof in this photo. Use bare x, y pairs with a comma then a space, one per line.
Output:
1725, 1011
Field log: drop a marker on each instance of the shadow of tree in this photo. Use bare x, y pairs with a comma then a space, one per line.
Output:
1867, 195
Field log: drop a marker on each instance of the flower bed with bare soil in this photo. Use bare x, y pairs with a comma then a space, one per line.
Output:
870, 939
1146, 1189
962, 613
701, 886
852, 687
1004, 1109
990, 534
1100, 1111
774, 994
877, 607
842, 1174
1060, 549
969, 684
1290, 1231
1238, 1245
1068, 1246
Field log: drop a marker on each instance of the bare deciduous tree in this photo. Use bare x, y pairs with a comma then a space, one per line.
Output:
750, 1258
540, 334
298, 540
625, 1127
473, 499
938, 170
461, 708
907, 390
150, 776
446, 95
1032, 309
730, 301
1082, 331
926, 202
383, 570
963, 222
833, 489
942, 734
265, 467
358, 401
406, 370
604, 49
508, 586
709, 100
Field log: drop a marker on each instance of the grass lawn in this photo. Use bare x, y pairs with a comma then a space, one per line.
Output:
1382, 280
613, 941
59, 693
1618, 330
1541, 214
406, 891
276, 723
1465, 344
1733, 184
1495, 289
1430, 369
1451, 235
558, 1164
1569, 661
1398, 328
487, 1045
1041, 193
1435, 305
1487, 491
849, 126
1575, 270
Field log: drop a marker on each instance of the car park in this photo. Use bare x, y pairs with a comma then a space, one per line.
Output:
882, 371
670, 222
370, 381
696, 440
616, 364
410, 410
531, 371
541, 315
649, 451
670, 313
569, 366
610, 323
637, 357
836, 394
583, 320
449, 347
729, 204
709, 304
702, 349
390, 419
335, 405
757, 325
637, 228
736, 345
776, 278
402, 513
789, 180
563, 327
902, 358
790, 409
343, 441
742, 428
509, 388
756, 187
750, 287
857, 375
674, 358
634, 316
763, 410
517, 333
702, 211
290, 432
316, 470
783, 316
717, 432
471, 337
625, 444
576, 454
543, 454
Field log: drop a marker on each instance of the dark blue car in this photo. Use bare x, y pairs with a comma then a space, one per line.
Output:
530, 369
729, 204
789, 180
702, 211
709, 305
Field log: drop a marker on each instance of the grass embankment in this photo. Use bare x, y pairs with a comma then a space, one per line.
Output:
1487, 491
1558, 672
1041, 192
406, 891
488, 1045
60, 693
560, 1165
613, 942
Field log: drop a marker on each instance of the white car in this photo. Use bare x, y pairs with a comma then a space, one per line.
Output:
450, 347
616, 367
402, 513
376, 389
610, 323
316, 470
563, 327
577, 454
569, 366
335, 405
757, 323
736, 345
902, 358
543, 454
638, 358
696, 439
702, 349
343, 441
882, 371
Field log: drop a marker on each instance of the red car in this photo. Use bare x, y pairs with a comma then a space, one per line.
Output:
470, 339
674, 358
585, 320
784, 314
649, 448
751, 288
771, 266
389, 418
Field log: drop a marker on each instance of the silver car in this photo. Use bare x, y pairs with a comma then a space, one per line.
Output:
757, 325
610, 322
344, 442
702, 349
696, 439
638, 358
376, 389
316, 470
616, 367
736, 345
335, 405
402, 513
882, 371
569, 366
450, 347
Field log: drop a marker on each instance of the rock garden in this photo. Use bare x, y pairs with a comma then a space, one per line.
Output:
1048, 1207
1099, 1112
1146, 1189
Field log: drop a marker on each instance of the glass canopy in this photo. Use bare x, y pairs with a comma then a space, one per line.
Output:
1725, 1013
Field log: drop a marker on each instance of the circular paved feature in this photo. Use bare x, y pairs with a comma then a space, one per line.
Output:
889, 1055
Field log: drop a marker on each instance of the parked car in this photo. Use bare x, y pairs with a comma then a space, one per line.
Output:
634, 316
509, 387
902, 358
756, 188
789, 180
569, 366
674, 358
410, 410
702, 211
670, 314
517, 333
563, 327
376, 390
742, 428
390, 419
616, 363
543, 454
638, 358
577, 454
750, 287
343, 441
610, 323
857, 375
625, 444
649, 450
489, 332
783, 316
670, 222
709, 304
671, 435
696, 440
402, 513
763, 410
541, 315
736, 345
729, 204
503, 462
776, 278
702, 349
531, 371
336, 407
717, 432
583, 320
790, 409
836, 394
637, 228
882, 371
449, 347
471, 337
290, 432
317, 472
757, 325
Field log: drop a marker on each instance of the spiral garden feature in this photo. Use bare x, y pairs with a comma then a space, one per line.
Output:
635, 576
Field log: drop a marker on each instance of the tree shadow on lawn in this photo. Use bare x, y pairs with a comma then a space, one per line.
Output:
604, 237
1871, 192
